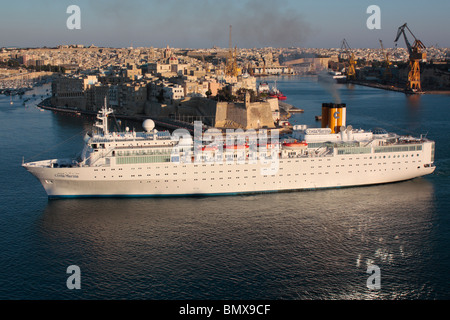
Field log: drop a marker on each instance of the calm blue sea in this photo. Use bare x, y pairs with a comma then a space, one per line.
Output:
298, 245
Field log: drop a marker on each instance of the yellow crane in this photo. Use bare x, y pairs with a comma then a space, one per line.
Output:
387, 75
231, 67
350, 71
415, 56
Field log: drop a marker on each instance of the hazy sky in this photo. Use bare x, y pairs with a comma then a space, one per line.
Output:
205, 23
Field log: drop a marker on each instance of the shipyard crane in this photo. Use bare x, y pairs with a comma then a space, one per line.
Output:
387, 71
231, 67
415, 56
250, 69
368, 59
350, 71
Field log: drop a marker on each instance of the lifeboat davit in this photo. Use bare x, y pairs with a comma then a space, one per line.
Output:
267, 145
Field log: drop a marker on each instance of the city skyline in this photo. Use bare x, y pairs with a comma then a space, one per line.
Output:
204, 24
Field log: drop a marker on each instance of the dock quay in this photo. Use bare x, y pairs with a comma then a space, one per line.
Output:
296, 110
166, 123
286, 110
377, 85
395, 88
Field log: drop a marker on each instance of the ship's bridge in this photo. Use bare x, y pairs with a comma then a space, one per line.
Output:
314, 136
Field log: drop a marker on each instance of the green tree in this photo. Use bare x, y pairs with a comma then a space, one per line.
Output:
225, 95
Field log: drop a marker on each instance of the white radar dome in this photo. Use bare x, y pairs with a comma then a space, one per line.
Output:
148, 125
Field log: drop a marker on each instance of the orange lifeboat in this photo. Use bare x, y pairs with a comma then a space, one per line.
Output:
295, 145
236, 146
209, 148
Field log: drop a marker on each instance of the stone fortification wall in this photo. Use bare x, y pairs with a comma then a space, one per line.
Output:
253, 115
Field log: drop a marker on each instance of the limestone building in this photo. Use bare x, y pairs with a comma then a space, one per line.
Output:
247, 115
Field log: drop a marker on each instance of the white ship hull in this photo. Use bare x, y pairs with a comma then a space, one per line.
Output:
179, 179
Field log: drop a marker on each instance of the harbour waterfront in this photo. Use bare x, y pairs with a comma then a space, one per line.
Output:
299, 245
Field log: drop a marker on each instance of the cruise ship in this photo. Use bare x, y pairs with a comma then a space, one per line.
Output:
158, 163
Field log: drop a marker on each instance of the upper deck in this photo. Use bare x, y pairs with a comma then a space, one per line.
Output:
105, 148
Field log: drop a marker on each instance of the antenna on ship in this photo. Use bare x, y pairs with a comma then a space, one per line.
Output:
103, 117
422, 136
